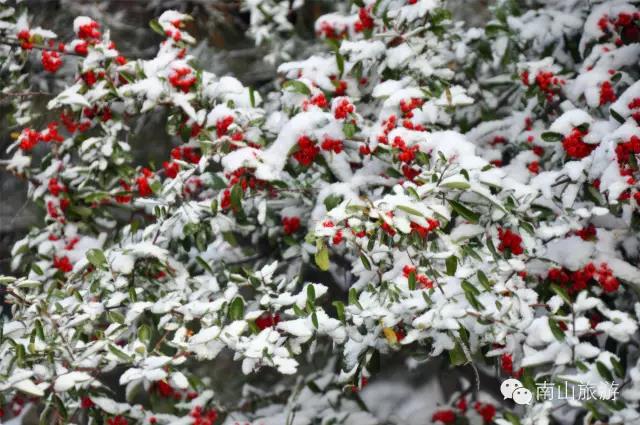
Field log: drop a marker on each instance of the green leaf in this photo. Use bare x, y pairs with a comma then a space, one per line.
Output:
412, 280
81, 211
339, 305
604, 371
468, 287
252, 97
617, 367
155, 26
236, 309
561, 293
484, 281
96, 257
236, 197
311, 293
555, 330
340, 63
322, 256
550, 136
410, 210
491, 30
314, 320
119, 353
353, 296
115, 316
464, 212
452, 265
204, 264
37, 270
365, 262
457, 185
349, 129
95, 197
332, 201
297, 87
471, 293
511, 418
457, 356
144, 333
617, 116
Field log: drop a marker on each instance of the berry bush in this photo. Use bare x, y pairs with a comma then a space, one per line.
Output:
410, 187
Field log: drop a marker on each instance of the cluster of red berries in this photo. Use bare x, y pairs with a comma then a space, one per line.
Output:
51, 61
338, 237
307, 151
343, 108
408, 107
424, 231
246, 179
89, 30
26, 39
634, 107
407, 154
587, 233
55, 187
448, 416
267, 320
175, 32
534, 166
290, 225
165, 390
341, 86
511, 241
498, 140
546, 81
103, 112
365, 20
142, 182
57, 213
423, 280
204, 417
506, 363
329, 144
71, 125
387, 125
574, 145
328, 31
607, 94
318, 100
182, 78
63, 264
90, 77
88, 34
86, 402
171, 169
29, 138
124, 198
625, 24
223, 124
579, 280
117, 420
625, 150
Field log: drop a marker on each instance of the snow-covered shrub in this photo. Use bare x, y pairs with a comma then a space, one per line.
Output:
416, 186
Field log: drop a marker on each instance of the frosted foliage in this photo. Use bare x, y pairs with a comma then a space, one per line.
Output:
412, 192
